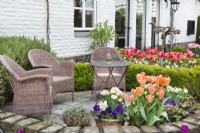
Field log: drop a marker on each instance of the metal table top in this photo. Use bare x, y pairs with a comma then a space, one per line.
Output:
110, 64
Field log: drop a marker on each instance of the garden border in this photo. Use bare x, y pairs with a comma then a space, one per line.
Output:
10, 122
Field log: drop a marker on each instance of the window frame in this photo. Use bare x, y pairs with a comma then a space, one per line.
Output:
84, 9
190, 27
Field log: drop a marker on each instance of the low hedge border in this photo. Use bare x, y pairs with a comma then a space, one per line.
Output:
180, 77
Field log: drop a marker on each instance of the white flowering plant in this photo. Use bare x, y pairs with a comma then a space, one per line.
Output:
111, 105
179, 103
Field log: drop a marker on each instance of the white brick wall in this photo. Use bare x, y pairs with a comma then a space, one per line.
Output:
28, 18
188, 10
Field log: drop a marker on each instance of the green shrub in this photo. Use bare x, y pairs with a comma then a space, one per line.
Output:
83, 77
180, 77
179, 50
16, 48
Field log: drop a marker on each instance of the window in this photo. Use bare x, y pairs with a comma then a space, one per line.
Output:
190, 27
84, 14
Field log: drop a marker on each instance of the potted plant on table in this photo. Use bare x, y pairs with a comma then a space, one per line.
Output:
110, 109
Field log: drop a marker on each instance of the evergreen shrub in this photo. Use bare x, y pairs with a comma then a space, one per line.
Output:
83, 77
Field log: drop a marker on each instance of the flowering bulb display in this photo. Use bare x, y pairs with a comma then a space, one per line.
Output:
111, 105
147, 101
156, 57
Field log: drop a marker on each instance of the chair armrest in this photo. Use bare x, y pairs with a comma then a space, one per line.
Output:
42, 66
36, 73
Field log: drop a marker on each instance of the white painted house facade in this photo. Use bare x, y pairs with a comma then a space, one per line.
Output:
70, 21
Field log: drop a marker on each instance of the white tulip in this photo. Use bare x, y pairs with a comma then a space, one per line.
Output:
114, 97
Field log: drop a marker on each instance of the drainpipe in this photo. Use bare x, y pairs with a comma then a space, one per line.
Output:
128, 24
47, 26
144, 25
158, 21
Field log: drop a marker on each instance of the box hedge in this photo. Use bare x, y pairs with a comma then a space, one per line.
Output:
83, 77
180, 77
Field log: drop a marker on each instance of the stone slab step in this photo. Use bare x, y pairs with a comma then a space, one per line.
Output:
169, 128
193, 129
71, 130
5, 115
52, 129
36, 127
150, 129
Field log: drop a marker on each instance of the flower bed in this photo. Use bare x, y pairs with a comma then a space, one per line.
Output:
194, 47
155, 57
153, 102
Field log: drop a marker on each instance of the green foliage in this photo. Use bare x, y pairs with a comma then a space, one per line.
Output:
16, 48
76, 117
179, 50
180, 77
198, 31
139, 23
102, 34
84, 77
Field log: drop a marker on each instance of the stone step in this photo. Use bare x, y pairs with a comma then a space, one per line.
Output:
169, 128
52, 129
150, 129
193, 129
36, 127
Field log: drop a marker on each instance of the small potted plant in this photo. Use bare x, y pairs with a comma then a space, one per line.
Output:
76, 117
110, 109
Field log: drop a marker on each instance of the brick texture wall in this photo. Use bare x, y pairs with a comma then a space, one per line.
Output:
28, 18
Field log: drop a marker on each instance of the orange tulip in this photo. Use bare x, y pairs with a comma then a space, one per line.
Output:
139, 91
150, 98
140, 76
152, 88
142, 82
158, 79
150, 79
161, 94
165, 81
131, 99
123, 95
133, 91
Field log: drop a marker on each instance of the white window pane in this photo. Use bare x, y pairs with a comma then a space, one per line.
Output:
89, 3
78, 3
89, 18
78, 18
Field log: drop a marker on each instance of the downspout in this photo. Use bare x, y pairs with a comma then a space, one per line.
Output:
128, 23
47, 26
145, 31
158, 22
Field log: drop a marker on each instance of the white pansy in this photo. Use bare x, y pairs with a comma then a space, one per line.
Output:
114, 97
103, 105
185, 90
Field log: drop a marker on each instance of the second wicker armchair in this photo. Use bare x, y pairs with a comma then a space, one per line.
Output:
63, 72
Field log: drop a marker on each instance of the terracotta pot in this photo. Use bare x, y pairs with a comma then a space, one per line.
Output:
108, 58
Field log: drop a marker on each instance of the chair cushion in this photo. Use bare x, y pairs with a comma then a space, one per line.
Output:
106, 74
61, 78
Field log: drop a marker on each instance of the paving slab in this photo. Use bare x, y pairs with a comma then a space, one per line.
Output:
130, 129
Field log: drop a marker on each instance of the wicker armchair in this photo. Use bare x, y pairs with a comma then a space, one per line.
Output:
63, 72
32, 89
99, 55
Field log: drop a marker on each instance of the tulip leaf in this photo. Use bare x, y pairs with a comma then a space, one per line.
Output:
143, 113
164, 114
154, 120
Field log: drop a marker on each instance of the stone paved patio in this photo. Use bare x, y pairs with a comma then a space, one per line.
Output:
63, 101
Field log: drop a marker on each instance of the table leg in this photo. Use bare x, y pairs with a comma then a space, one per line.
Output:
122, 78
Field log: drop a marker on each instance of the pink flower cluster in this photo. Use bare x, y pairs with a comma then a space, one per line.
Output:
154, 55
193, 45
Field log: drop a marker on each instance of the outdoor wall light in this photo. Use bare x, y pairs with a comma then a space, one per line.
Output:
174, 4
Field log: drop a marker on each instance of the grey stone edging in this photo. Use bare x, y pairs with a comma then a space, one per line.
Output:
10, 122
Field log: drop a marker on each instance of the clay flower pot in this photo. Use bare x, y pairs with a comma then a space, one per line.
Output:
108, 58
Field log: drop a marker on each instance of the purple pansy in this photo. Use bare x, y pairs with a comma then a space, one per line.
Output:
96, 108
19, 131
185, 129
